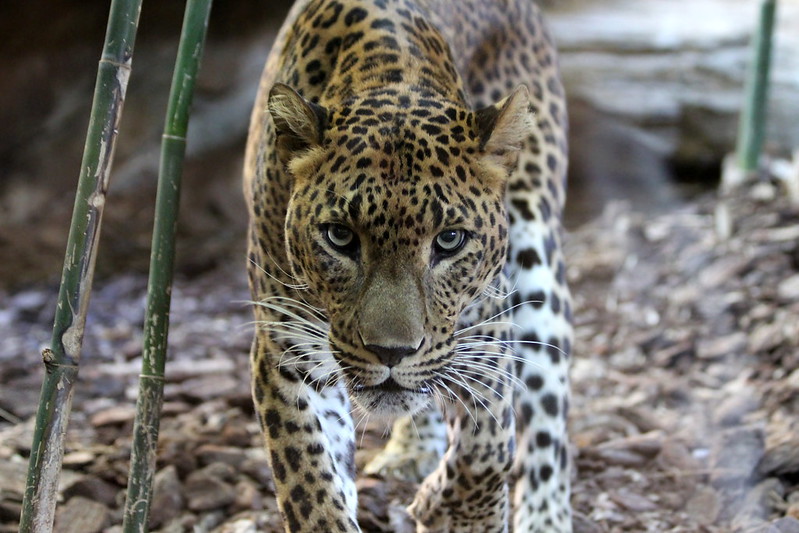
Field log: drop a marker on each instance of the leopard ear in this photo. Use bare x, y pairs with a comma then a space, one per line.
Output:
299, 123
503, 127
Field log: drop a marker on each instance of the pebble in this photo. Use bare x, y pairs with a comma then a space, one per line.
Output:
167, 501
92, 487
633, 501
757, 502
247, 497
734, 455
213, 453
119, 414
788, 289
787, 524
711, 348
782, 458
205, 492
704, 505
81, 515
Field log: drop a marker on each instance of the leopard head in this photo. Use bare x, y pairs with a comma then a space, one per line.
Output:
396, 222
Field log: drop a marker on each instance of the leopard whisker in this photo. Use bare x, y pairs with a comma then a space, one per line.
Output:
512, 379
293, 302
489, 320
477, 397
476, 375
291, 314
309, 331
483, 324
475, 357
441, 383
296, 287
467, 377
457, 372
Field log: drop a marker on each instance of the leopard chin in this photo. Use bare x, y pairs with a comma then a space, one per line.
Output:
390, 399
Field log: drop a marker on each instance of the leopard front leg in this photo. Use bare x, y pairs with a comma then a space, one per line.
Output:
468, 492
416, 446
310, 444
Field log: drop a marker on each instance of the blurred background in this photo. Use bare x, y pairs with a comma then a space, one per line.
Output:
655, 87
684, 413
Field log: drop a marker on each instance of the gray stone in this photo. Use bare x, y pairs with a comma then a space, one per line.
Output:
205, 492
168, 501
81, 515
677, 72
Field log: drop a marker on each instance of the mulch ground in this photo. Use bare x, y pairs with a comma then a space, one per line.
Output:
685, 380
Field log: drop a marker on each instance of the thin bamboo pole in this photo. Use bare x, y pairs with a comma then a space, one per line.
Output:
752, 124
61, 360
162, 255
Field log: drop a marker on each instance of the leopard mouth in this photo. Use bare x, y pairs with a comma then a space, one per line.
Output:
389, 385
389, 398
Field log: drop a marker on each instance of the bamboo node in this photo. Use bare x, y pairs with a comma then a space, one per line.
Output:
118, 64
152, 377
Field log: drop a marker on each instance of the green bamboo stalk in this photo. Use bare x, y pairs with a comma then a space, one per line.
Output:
61, 360
752, 123
162, 258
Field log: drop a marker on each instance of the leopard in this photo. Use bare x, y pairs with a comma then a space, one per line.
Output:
405, 180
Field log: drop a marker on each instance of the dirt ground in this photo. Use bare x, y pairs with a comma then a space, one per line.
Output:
685, 380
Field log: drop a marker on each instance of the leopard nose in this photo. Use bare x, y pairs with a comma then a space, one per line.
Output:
392, 355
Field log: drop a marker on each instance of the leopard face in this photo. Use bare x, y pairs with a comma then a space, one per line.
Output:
396, 222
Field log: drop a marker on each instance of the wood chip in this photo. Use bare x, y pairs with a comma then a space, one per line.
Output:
704, 505
632, 501
81, 515
119, 414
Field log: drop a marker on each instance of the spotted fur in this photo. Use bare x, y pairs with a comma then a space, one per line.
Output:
405, 181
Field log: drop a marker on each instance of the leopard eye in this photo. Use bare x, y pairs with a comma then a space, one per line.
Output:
341, 237
450, 241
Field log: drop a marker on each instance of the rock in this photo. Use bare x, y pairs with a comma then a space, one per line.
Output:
204, 388
781, 459
734, 455
704, 505
174, 450
734, 408
731, 344
119, 414
757, 502
676, 455
633, 501
722, 270
647, 444
221, 471
212, 453
258, 469
12, 478
247, 496
167, 500
179, 371
616, 456
242, 525
81, 515
787, 524
620, 56
788, 289
236, 434
78, 458
766, 336
583, 524
93, 488
10, 512
205, 492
